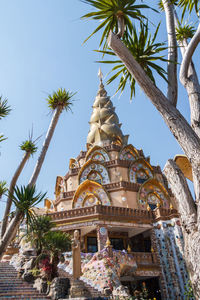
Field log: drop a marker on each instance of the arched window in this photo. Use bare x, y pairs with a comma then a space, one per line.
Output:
140, 171
92, 169
97, 153
151, 193
95, 176
128, 153
90, 193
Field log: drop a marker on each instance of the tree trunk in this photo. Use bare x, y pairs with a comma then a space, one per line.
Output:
47, 141
8, 235
188, 215
177, 124
172, 52
11, 190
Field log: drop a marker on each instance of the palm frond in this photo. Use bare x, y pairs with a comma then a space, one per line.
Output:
4, 108
108, 13
3, 188
61, 98
145, 50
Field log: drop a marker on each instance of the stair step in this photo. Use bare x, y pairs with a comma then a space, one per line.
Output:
12, 287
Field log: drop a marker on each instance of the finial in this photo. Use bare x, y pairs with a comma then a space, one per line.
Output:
158, 205
171, 206
128, 249
100, 75
148, 207
108, 243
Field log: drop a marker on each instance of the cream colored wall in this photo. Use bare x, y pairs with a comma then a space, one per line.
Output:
118, 174
64, 205
129, 197
72, 183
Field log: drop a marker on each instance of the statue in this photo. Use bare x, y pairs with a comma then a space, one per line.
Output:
76, 252
77, 286
63, 185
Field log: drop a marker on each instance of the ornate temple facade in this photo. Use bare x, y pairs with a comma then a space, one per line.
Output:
118, 200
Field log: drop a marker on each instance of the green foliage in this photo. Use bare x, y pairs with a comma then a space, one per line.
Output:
28, 146
38, 228
160, 4
56, 242
61, 98
188, 5
24, 199
2, 138
184, 32
145, 50
108, 12
3, 188
189, 292
4, 108
35, 272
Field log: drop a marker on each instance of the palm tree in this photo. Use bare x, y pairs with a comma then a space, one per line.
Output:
29, 147
58, 101
145, 51
54, 244
114, 14
24, 199
3, 188
38, 228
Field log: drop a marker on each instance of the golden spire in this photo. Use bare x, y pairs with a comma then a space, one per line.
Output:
108, 243
104, 122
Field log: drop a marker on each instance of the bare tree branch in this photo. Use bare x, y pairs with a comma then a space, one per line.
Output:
188, 56
172, 52
181, 191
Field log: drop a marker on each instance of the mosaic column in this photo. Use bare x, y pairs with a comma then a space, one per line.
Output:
170, 245
102, 234
154, 249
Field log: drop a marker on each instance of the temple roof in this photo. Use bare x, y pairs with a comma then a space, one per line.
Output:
104, 122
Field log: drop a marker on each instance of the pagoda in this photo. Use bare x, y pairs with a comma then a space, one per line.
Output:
116, 198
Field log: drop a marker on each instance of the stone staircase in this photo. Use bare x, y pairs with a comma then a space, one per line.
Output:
12, 287
92, 292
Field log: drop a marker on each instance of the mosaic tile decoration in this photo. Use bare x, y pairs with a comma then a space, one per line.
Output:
128, 153
99, 155
96, 170
139, 172
99, 269
152, 193
170, 245
90, 196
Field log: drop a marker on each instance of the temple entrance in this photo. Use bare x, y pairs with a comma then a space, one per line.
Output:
151, 285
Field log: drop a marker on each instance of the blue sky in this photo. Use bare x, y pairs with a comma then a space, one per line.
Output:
41, 50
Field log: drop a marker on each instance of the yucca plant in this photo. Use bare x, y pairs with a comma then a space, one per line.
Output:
29, 147
114, 15
24, 198
54, 243
4, 108
38, 228
146, 52
58, 101
184, 32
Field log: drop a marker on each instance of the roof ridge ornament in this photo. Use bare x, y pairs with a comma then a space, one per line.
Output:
101, 92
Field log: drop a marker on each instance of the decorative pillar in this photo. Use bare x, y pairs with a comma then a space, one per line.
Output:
154, 250
102, 235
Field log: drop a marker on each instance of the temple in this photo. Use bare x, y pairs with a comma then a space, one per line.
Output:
121, 204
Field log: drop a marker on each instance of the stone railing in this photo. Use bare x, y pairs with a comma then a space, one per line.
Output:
104, 211
144, 258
